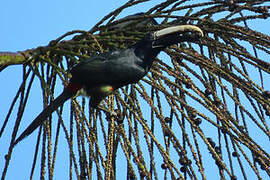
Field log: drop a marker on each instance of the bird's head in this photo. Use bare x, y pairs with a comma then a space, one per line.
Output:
172, 35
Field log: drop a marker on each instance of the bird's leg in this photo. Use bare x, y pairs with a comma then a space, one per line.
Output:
106, 110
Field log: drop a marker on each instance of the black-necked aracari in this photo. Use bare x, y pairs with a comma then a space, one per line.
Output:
100, 75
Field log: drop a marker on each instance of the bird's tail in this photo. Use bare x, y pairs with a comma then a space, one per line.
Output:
44, 114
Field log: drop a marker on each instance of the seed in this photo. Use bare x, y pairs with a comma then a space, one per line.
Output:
6, 157
167, 132
183, 161
167, 120
266, 94
198, 121
188, 85
164, 166
235, 154
183, 169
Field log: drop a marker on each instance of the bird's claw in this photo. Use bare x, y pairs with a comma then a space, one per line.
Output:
107, 111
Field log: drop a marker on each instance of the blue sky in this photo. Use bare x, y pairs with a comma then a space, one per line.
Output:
27, 24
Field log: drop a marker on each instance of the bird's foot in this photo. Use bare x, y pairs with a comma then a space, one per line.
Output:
107, 111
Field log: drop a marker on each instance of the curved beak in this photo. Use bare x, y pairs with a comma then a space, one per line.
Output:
175, 34
178, 29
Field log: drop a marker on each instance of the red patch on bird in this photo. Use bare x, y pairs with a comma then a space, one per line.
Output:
73, 87
112, 88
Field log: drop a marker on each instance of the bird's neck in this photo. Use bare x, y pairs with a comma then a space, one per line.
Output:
145, 52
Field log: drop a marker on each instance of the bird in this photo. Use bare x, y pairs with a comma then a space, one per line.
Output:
104, 73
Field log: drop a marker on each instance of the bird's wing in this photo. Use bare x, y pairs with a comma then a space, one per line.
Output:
119, 67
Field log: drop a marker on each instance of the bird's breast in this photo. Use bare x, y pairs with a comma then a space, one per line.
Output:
101, 90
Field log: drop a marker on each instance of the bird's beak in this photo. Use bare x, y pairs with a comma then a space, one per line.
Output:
178, 29
167, 36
